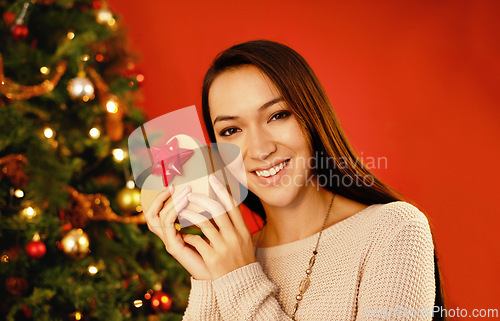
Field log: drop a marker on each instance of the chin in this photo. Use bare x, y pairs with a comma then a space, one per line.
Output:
276, 196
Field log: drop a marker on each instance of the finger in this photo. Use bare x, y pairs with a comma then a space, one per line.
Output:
158, 202
217, 211
181, 196
151, 215
175, 202
167, 228
229, 204
208, 229
170, 210
200, 244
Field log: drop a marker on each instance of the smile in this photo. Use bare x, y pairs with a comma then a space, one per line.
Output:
272, 171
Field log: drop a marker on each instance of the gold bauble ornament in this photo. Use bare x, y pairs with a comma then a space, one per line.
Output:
75, 243
129, 199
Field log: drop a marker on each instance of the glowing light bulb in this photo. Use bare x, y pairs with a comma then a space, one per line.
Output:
49, 133
138, 303
104, 16
19, 193
29, 212
70, 35
112, 106
130, 184
118, 154
44, 70
78, 315
93, 270
94, 133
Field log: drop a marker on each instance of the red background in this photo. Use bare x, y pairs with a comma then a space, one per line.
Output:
416, 82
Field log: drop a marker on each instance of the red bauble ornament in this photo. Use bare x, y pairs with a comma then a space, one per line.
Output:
36, 249
19, 31
161, 301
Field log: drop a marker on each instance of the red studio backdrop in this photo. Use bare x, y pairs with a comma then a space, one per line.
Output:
415, 85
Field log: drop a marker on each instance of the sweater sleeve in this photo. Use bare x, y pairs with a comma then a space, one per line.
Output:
202, 305
247, 294
398, 282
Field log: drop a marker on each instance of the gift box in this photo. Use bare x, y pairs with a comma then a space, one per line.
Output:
162, 153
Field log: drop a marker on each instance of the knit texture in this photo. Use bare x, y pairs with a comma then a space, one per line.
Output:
377, 264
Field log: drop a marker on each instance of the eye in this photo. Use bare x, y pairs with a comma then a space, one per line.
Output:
280, 115
229, 131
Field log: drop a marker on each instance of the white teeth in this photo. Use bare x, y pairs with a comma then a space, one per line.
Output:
271, 172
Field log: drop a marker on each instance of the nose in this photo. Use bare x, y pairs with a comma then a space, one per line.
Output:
260, 145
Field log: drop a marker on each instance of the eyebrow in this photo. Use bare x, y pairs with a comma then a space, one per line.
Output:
261, 108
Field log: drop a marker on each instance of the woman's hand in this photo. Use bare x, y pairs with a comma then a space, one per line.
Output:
161, 218
230, 244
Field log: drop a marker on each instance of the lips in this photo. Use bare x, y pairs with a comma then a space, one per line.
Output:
273, 174
273, 170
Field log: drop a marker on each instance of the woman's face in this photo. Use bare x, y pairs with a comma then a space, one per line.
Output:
247, 110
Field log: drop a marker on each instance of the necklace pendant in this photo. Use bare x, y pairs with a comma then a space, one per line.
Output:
304, 284
312, 261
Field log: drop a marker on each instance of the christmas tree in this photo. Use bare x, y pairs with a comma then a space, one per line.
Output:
74, 244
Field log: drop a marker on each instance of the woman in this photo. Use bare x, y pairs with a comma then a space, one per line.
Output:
337, 244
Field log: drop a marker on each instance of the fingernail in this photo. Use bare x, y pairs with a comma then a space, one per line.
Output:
171, 188
213, 178
188, 196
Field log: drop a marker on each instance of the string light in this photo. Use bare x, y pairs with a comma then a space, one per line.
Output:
112, 106
138, 303
93, 270
48, 132
70, 35
78, 315
130, 184
118, 154
44, 70
140, 78
104, 16
29, 212
94, 133
18, 193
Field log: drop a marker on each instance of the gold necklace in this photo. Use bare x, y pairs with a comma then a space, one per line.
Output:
304, 284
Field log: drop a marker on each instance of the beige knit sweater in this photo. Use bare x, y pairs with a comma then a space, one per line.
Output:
375, 265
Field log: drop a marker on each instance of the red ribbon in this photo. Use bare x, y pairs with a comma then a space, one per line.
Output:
169, 159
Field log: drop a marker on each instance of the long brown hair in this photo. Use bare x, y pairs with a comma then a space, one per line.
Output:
308, 101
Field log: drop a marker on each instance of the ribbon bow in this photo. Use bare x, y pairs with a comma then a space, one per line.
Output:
168, 160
